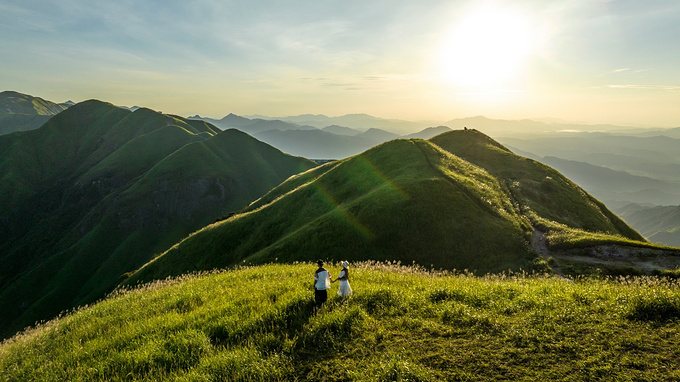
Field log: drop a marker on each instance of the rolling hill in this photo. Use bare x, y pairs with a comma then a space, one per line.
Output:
97, 190
21, 112
460, 200
401, 324
543, 194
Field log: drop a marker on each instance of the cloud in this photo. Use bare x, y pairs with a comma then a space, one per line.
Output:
644, 87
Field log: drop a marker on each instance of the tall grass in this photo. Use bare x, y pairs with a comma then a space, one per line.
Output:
402, 323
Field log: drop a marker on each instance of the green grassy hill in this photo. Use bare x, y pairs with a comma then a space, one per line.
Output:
405, 200
401, 324
552, 202
415, 201
21, 112
98, 190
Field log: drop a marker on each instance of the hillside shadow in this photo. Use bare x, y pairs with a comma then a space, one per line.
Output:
269, 332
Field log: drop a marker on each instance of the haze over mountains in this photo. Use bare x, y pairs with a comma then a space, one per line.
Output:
321, 137
620, 165
641, 168
617, 164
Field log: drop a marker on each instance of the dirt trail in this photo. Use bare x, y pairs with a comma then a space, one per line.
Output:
644, 259
539, 244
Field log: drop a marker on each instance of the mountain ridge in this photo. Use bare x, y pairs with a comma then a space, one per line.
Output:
429, 202
98, 189
22, 112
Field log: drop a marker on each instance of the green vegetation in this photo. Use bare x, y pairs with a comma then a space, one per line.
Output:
545, 196
98, 190
670, 273
17, 103
402, 323
460, 200
21, 112
405, 200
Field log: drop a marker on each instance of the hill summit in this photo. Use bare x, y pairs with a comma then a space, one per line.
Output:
460, 200
98, 189
22, 112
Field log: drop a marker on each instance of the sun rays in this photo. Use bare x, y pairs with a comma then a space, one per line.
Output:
487, 47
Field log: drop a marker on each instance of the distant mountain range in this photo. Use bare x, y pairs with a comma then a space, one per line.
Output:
615, 188
619, 165
98, 190
656, 157
637, 174
361, 122
21, 112
660, 224
325, 142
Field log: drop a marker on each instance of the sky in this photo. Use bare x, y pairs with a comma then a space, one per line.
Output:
591, 61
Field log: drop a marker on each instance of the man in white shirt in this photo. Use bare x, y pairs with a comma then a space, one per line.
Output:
322, 282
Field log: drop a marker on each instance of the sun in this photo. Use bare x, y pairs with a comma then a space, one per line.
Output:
486, 48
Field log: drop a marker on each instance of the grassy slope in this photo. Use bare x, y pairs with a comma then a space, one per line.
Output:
36, 169
230, 153
18, 103
404, 200
21, 112
116, 188
409, 201
10, 123
550, 200
147, 150
258, 324
38, 158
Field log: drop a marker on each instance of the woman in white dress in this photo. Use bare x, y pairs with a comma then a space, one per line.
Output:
344, 290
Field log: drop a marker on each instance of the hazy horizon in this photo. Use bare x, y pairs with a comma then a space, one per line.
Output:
606, 62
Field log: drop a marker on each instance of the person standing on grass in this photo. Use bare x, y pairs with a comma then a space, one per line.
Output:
322, 282
345, 290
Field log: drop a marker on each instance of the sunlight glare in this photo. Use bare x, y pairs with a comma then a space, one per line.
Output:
486, 48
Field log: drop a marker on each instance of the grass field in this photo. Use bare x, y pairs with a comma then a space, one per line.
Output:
402, 324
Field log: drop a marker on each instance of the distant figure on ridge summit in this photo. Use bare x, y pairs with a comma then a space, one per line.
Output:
322, 282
